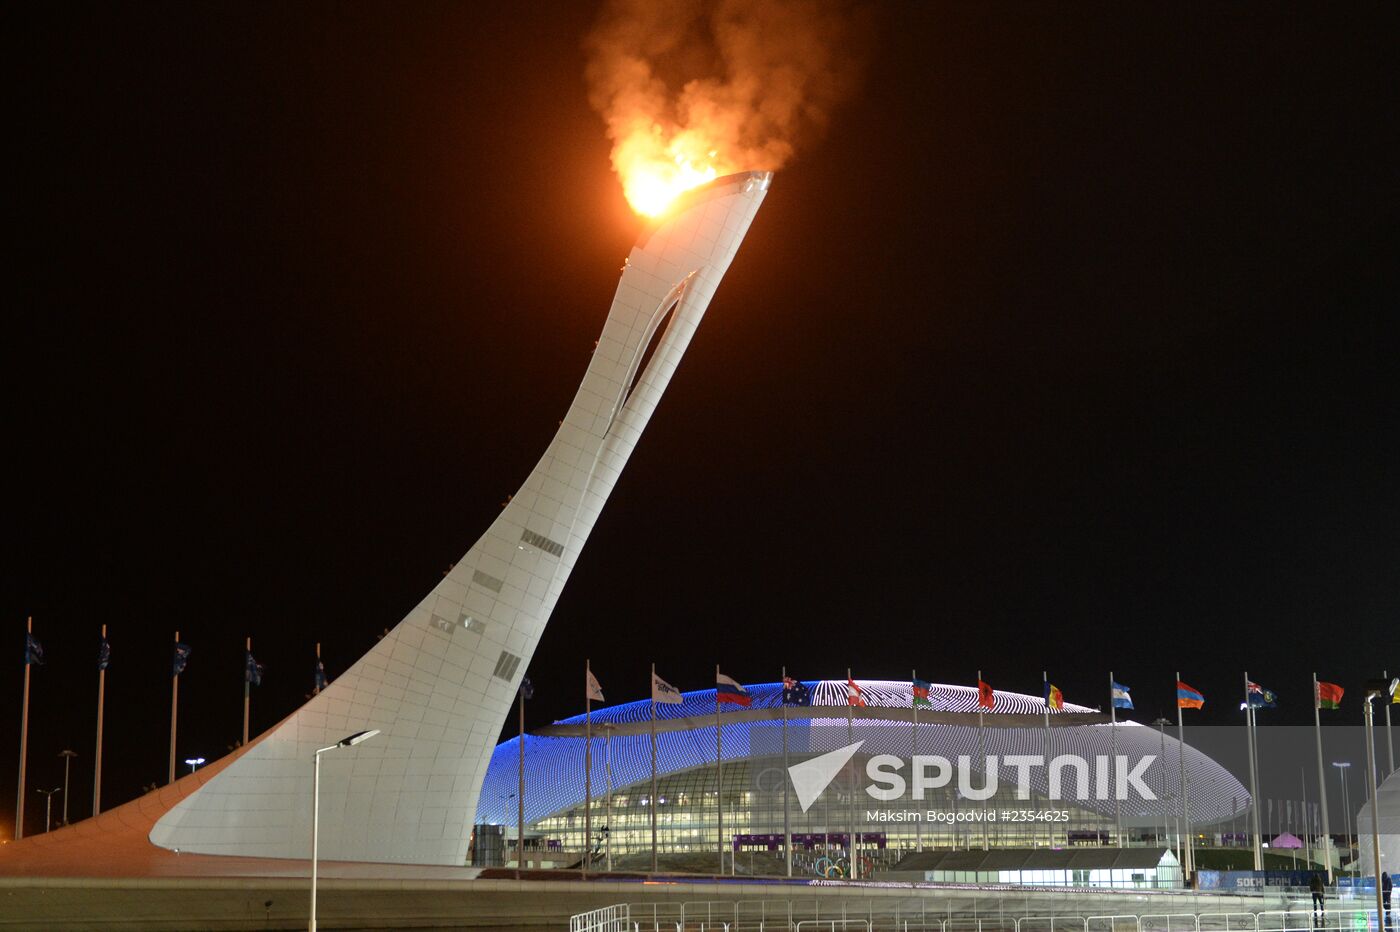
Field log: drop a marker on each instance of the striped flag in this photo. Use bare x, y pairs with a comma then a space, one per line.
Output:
729, 691
1054, 698
1121, 697
1188, 697
853, 693
921, 688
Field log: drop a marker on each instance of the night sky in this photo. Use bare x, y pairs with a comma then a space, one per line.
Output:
1071, 346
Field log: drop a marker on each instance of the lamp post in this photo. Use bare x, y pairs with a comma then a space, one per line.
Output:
67, 759
347, 742
193, 763
1342, 766
48, 807
1162, 724
1387, 689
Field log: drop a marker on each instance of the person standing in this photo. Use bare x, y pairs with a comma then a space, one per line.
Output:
1319, 901
1387, 886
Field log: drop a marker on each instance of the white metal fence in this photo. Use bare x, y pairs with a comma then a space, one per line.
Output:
871, 916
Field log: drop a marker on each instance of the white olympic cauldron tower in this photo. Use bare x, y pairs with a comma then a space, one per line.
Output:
440, 684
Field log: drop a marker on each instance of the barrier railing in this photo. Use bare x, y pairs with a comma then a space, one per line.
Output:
608, 919
813, 915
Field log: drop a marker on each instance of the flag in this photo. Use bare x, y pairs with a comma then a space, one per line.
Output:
1054, 698
33, 650
986, 696
795, 692
591, 687
1395, 695
728, 691
252, 670
104, 654
853, 694
1261, 698
182, 657
1188, 698
1121, 698
527, 688
320, 675
662, 691
921, 689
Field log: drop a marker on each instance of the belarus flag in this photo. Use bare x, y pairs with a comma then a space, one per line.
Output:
730, 692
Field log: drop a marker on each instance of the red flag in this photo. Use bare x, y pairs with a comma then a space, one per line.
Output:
853, 696
986, 697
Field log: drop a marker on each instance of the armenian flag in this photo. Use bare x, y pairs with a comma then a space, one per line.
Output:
1188, 697
1329, 696
921, 689
986, 696
1054, 698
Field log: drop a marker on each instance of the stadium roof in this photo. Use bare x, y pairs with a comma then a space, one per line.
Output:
554, 762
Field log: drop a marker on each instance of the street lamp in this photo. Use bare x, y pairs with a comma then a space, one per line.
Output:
194, 763
1387, 689
348, 742
67, 759
1342, 766
1162, 724
48, 807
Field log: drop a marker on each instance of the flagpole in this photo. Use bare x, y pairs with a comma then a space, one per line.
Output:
719, 779
1186, 846
652, 803
787, 823
1257, 847
1389, 740
607, 779
1113, 768
316, 686
520, 794
247, 686
23, 734
174, 714
97, 758
587, 764
1045, 747
1322, 781
914, 752
1303, 813
982, 756
850, 739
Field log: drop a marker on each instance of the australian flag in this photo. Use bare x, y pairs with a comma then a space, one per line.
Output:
1261, 698
104, 654
182, 657
33, 650
795, 692
320, 675
252, 670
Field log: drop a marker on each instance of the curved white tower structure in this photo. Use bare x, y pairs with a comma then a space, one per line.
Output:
441, 683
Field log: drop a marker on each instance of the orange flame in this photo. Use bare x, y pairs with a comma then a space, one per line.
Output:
656, 167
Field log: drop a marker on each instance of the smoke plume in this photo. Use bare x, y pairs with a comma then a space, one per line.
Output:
691, 89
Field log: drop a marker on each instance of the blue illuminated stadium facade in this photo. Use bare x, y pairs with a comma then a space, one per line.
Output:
753, 776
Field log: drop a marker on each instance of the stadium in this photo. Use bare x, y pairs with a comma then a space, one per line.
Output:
755, 802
